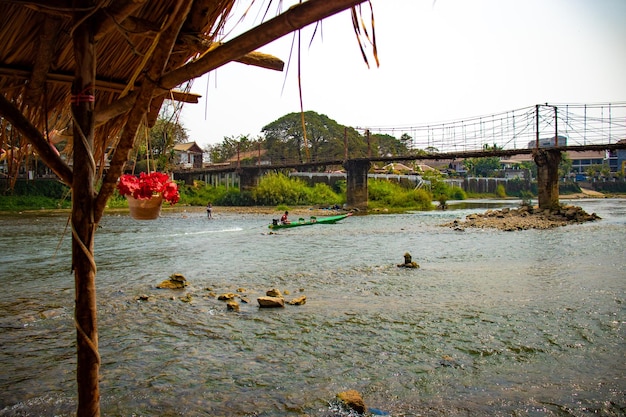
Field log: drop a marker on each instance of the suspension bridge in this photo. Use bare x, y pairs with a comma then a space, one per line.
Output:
576, 125
542, 130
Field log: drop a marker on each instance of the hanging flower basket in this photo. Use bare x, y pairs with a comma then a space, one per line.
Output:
145, 209
145, 194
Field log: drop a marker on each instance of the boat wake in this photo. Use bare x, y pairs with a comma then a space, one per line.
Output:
208, 232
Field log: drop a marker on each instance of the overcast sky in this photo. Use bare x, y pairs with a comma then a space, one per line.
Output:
439, 61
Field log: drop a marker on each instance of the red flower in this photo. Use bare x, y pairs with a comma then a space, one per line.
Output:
148, 185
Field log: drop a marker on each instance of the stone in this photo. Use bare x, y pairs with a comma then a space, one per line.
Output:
172, 285
524, 218
271, 302
411, 265
298, 301
352, 399
226, 296
178, 278
274, 292
232, 306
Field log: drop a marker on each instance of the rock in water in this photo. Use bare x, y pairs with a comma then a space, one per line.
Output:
274, 292
353, 400
270, 302
175, 282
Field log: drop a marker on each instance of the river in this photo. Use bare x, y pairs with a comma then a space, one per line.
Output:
527, 323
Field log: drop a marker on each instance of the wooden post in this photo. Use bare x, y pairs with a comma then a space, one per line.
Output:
83, 223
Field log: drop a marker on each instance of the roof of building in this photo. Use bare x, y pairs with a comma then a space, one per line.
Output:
188, 147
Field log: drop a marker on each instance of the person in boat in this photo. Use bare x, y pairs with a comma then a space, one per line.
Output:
209, 210
284, 219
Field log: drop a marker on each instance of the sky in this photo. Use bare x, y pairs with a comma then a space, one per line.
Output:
439, 61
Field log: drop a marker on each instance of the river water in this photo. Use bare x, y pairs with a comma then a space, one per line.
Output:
528, 323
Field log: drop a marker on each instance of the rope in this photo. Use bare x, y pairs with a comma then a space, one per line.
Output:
92, 263
82, 97
89, 342
84, 248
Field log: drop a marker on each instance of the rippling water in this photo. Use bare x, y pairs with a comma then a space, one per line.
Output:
528, 323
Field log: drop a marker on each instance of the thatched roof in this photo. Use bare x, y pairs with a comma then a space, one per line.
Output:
137, 42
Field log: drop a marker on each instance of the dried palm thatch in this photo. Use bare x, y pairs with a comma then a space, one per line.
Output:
91, 72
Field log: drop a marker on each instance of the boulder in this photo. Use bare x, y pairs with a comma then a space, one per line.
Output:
232, 306
178, 278
298, 301
352, 399
274, 292
524, 218
175, 282
226, 296
271, 302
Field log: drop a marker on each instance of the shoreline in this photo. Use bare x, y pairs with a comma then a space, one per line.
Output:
306, 210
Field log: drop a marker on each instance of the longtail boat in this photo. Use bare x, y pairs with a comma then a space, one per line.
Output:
276, 224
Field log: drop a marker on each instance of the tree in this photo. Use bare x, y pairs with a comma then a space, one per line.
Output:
565, 166
157, 147
285, 141
387, 145
230, 146
483, 167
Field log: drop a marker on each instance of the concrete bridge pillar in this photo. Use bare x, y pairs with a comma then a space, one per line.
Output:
357, 170
547, 161
248, 178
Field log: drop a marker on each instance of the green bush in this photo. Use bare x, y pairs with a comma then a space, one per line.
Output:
389, 194
275, 189
456, 193
322, 194
500, 191
44, 188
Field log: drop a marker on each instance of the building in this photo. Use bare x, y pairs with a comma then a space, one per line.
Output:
559, 140
188, 155
581, 161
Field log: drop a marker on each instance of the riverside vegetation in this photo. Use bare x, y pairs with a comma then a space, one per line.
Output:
273, 190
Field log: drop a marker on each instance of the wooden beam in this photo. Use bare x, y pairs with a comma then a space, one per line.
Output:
115, 86
47, 155
297, 17
83, 222
65, 8
110, 17
45, 53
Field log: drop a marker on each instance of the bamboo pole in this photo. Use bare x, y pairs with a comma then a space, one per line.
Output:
83, 222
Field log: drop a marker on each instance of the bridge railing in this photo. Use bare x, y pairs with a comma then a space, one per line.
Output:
579, 124
562, 125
